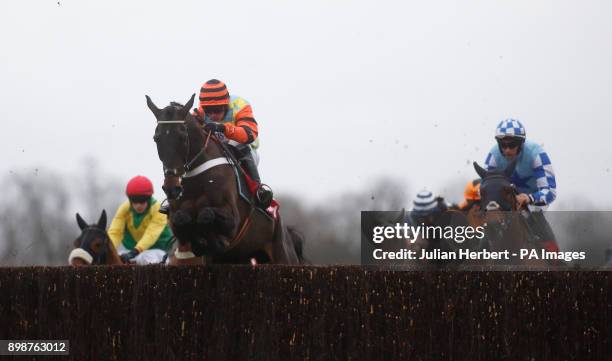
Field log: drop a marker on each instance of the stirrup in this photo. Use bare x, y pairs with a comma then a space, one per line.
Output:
264, 196
164, 208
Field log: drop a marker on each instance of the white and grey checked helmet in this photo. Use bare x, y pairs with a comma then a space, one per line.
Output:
424, 204
510, 128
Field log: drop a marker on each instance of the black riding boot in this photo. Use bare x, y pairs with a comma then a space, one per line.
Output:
263, 195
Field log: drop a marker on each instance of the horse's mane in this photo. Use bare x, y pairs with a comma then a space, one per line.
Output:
170, 111
495, 174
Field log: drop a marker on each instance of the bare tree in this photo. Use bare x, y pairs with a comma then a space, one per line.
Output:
34, 222
332, 229
37, 225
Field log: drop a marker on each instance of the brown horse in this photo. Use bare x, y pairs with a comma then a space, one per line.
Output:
475, 215
473, 212
506, 227
207, 214
429, 242
93, 246
445, 218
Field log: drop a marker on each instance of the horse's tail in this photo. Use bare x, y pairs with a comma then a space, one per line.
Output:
298, 244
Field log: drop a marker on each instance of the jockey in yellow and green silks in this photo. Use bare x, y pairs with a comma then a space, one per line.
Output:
139, 232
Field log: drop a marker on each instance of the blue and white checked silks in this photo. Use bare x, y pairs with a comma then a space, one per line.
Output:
533, 174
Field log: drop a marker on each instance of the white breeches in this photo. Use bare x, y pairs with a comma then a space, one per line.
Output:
148, 256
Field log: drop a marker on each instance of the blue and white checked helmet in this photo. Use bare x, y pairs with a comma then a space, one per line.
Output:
510, 128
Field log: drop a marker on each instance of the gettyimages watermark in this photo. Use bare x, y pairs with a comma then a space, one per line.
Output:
411, 233
541, 239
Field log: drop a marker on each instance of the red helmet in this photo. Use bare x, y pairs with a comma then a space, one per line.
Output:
139, 186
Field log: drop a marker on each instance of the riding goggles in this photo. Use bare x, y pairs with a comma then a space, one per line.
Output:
138, 199
215, 109
509, 143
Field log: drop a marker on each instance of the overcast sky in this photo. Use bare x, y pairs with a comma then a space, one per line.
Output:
344, 91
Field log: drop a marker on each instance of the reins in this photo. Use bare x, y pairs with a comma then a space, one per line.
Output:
99, 258
207, 139
228, 158
234, 162
508, 216
247, 220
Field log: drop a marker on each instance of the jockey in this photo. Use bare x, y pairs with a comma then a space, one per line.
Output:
139, 231
533, 175
427, 211
471, 195
426, 208
233, 117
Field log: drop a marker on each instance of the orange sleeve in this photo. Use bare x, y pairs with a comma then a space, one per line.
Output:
245, 112
245, 131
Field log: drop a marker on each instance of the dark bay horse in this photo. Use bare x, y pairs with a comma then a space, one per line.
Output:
445, 219
506, 227
473, 213
426, 242
93, 246
207, 215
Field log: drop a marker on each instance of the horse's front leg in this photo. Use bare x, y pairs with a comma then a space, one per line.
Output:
181, 218
183, 233
219, 220
185, 252
218, 225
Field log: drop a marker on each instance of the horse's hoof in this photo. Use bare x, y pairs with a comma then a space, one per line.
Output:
206, 216
181, 218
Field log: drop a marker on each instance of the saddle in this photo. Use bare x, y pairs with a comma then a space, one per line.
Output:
247, 187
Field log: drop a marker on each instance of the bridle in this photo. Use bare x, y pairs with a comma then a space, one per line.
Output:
506, 214
190, 169
86, 252
174, 172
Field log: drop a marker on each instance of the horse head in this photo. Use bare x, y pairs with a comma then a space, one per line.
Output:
497, 193
498, 200
176, 136
91, 247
